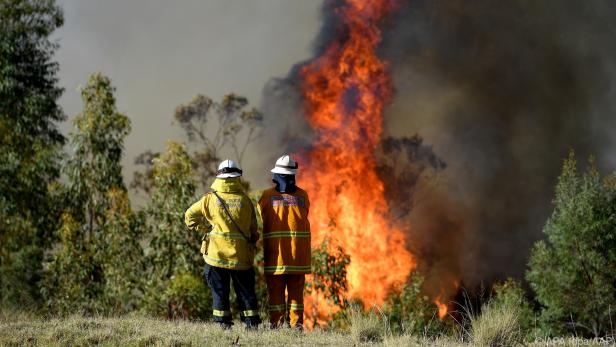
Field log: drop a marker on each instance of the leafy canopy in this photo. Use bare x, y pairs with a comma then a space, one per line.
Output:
30, 144
98, 263
572, 271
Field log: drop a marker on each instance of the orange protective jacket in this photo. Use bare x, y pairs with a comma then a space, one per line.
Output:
286, 232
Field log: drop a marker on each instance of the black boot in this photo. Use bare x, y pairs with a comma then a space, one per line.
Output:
224, 325
252, 323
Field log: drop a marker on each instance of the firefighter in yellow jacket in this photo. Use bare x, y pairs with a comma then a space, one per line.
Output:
227, 217
286, 244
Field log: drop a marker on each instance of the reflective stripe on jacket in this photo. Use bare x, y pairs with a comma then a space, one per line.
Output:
286, 232
227, 247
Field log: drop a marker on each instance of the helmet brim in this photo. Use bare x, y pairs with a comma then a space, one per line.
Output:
229, 175
283, 171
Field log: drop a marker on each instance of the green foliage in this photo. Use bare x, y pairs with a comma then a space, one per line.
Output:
19, 253
172, 248
572, 270
30, 144
411, 312
95, 167
187, 297
72, 278
510, 294
329, 270
123, 259
97, 265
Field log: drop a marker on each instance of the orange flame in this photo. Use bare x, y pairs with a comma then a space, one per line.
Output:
345, 90
442, 308
447, 291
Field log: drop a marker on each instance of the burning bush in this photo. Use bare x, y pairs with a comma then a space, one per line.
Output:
329, 274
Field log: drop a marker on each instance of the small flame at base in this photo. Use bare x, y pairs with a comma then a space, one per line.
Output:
442, 308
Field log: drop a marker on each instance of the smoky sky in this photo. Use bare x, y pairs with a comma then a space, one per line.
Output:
501, 91
160, 54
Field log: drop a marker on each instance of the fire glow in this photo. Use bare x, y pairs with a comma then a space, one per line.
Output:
344, 91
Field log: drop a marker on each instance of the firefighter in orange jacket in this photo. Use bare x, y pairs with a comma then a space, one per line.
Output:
286, 244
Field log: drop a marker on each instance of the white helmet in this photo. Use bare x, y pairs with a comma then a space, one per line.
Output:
228, 168
285, 165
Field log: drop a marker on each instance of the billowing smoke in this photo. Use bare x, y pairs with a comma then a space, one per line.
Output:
501, 91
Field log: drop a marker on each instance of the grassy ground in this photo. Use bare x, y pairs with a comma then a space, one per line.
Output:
25, 330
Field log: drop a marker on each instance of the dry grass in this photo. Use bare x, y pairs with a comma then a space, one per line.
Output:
498, 325
27, 330
139, 331
367, 326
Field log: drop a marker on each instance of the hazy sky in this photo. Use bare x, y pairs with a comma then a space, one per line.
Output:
159, 54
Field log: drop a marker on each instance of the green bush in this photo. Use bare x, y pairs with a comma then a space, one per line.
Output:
186, 297
510, 294
572, 270
329, 270
172, 248
499, 321
411, 312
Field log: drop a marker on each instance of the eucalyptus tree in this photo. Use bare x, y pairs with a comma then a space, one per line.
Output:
30, 144
98, 265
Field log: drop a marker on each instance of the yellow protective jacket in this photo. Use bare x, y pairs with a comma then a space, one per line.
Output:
227, 247
286, 232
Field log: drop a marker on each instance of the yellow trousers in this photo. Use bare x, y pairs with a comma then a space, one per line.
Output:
283, 309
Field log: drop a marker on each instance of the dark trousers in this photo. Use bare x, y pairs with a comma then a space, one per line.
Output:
219, 280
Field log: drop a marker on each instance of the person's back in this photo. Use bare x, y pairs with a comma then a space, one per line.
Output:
286, 231
229, 252
286, 244
227, 247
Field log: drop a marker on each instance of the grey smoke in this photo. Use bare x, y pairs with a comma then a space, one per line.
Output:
501, 90
159, 54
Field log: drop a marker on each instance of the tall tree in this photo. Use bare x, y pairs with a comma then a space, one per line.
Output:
228, 126
172, 249
236, 126
30, 143
573, 270
95, 267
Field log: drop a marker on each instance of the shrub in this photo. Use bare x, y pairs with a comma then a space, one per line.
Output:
370, 326
329, 269
510, 294
187, 297
498, 324
411, 312
572, 270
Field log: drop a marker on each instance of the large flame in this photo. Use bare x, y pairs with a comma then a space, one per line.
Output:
344, 91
